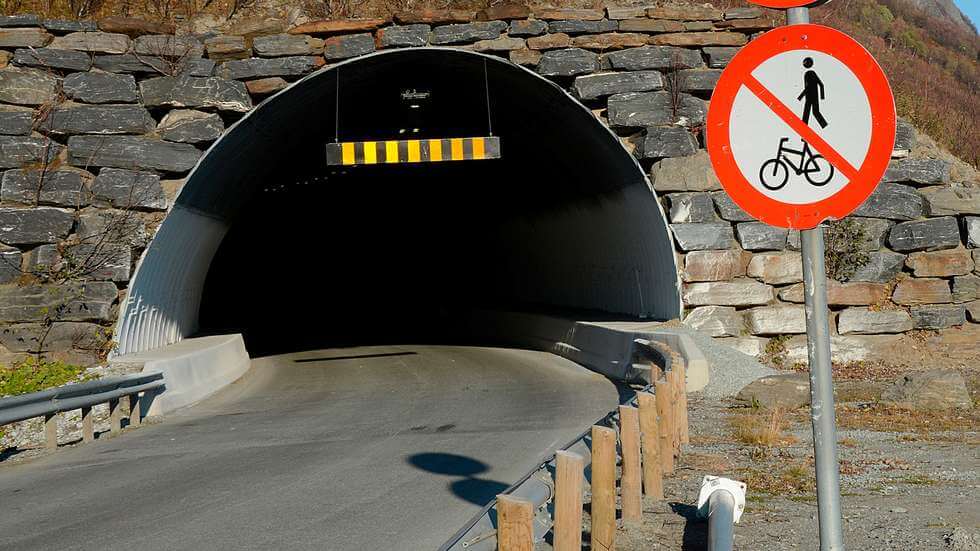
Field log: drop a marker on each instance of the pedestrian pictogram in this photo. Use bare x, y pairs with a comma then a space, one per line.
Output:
801, 126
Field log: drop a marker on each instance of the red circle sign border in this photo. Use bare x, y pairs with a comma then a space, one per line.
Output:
785, 4
883, 122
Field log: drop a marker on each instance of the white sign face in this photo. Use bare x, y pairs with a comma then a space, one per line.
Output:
824, 94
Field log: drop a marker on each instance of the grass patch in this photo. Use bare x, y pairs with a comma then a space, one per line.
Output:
796, 479
918, 480
882, 418
32, 375
762, 430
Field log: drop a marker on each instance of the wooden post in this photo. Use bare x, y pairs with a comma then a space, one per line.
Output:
675, 412
653, 483
629, 435
603, 488
662, 388
51, 431
135, 412
515, 518
685, 429
115, 417
569, 472
88, 427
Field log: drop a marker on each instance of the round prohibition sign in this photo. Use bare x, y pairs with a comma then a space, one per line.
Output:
789, 3
801, 126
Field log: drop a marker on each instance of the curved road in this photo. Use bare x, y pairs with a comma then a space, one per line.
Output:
390, 447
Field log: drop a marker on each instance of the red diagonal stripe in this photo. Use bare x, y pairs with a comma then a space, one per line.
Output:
804, 130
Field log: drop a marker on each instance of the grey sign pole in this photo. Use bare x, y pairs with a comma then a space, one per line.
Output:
822, 415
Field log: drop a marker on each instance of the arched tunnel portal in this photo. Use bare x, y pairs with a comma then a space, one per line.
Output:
267, 240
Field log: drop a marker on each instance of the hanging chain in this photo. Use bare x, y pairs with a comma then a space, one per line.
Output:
486, 89
336, 115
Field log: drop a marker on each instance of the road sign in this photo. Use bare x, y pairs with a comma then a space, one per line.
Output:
789, 3
801, 126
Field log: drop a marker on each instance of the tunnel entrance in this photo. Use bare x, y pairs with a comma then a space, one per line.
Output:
267, 240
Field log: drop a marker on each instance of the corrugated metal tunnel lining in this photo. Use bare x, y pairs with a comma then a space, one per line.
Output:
266, 239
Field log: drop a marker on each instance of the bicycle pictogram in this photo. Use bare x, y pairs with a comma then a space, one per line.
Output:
774, 173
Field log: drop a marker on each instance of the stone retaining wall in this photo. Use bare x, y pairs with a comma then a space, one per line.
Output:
99, 121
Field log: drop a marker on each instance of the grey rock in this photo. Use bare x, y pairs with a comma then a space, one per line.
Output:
167, 46
938, 316
112, 226
881, 267
404, 36
528, 27
73, 301
65, 187
742, 13
963, 539
972, 226
575, 26
776, 320
875, 232
101, 88
921, 235
100, 119
467, 32
918, 171
10, 265
862, 321
698, 81
693, 173
16, 121
18, 151
99, 260
933, 389
22, 20
196, 68
777, 268
893, 201
714, 265
132, 152
728, 209
28, 37
654, 57
589, 87
699, 237
665, 141
346, 47
59, 336
568, 62
756, 236
47, 58
738, 292
790, 392
129, 189
224, 47
951, 200
719, 56
220, 93
716, 321
636, 109
273, 67
27, 86
277, 45
691, 207
129, 63
189, 126
904, 135
69, 25
966, 288
34, 226
106, 43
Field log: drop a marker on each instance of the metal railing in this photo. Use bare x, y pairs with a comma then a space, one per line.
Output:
49, 403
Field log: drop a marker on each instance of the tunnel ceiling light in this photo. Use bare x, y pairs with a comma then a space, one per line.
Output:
413, 151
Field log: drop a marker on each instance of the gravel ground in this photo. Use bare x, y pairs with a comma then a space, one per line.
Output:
728, 369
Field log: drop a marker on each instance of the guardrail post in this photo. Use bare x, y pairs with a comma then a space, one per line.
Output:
135, 411
653, 483
682, 388
88, 426
662, 389
675, 402
569, 472
515, 530
51, 431
115, 417
603, 488
629, 435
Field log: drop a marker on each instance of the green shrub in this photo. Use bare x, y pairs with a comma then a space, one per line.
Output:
844, 251
32, 375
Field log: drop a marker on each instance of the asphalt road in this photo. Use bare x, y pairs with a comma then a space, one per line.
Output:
359, 448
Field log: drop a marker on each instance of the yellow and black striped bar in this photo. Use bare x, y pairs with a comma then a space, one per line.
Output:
413, 151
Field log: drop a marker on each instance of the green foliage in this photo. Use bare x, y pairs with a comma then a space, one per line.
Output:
775, 352
877, 18
32, 375
844, 252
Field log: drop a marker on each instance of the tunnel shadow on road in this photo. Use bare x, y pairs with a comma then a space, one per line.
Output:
471, 488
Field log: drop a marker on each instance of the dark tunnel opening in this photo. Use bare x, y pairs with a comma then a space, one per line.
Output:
317, 256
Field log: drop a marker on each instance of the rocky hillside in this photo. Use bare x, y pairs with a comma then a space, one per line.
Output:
944, 10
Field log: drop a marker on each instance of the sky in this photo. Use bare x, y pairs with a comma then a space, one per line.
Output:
971, 8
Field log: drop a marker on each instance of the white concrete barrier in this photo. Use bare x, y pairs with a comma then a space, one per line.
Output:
193, 369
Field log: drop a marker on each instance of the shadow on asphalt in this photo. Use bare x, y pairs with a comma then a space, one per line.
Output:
472, 489
359, 357
695, 529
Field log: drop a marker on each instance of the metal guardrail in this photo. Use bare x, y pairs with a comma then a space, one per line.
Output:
48, 403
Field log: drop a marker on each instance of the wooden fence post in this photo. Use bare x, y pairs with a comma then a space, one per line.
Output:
135, 411
675, 412
653, 483
685, 428
515, 518
603, 488
629, 435
569, 473
51, 431
88, 427
662, 389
